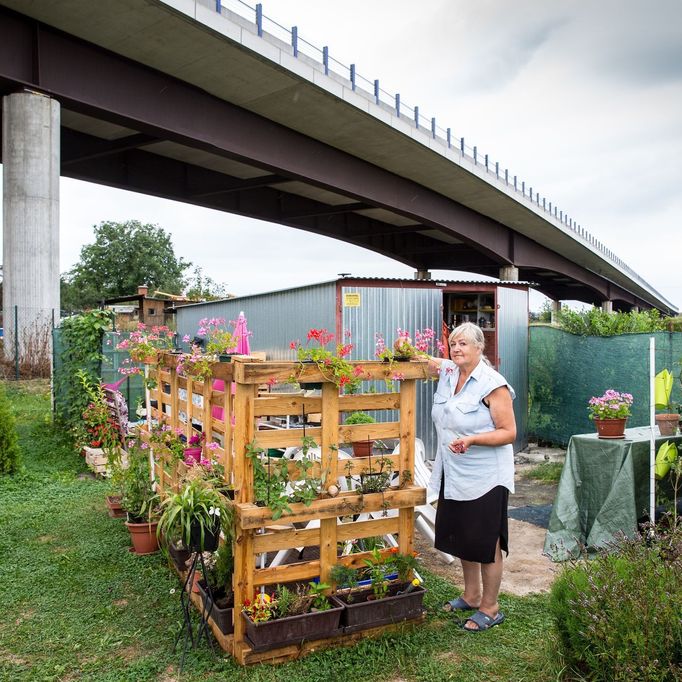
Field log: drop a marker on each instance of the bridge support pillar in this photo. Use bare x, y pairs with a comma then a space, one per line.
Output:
422, 274
607, 306
509, 273
30, 212
554, 313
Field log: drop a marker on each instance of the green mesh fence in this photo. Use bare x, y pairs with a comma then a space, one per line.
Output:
566, 370
132, 387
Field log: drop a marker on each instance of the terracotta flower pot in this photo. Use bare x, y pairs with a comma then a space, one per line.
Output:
114, 506
667, 424
362, 448
143, 537
610, 428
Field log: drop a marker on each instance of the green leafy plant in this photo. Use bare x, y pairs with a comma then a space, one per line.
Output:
344, 576
218, 339
10, 453
404, 563
146, 343
80, 337
98, 428
376, 478
196, 509
617, 615
138, 496
196, 365
359, 418
377, 569
597, 322
316, 592
269, 484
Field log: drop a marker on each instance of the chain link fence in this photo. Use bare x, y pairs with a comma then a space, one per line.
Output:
26, 348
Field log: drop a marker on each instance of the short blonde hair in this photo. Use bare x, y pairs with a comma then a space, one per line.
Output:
471, 332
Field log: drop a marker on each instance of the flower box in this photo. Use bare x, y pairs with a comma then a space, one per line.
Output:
294, 629
361, 613
222, 616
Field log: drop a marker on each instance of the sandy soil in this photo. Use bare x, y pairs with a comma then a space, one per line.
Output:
526, 569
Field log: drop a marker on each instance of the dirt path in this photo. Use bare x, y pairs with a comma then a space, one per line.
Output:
526, 569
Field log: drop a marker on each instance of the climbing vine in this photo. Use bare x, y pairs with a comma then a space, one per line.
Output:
80, 338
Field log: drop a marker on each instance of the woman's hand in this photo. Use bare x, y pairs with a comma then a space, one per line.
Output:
460, 445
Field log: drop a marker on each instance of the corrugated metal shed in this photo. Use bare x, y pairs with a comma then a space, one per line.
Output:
377, 305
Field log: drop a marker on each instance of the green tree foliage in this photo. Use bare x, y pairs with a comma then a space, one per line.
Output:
203, 288
123, 256
10, 454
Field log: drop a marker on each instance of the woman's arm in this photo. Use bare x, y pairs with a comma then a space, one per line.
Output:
433, 364
502, 413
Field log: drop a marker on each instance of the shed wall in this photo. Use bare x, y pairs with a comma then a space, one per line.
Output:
512, 344
274, 318
383, 310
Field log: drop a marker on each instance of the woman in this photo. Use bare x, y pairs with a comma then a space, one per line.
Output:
473, 471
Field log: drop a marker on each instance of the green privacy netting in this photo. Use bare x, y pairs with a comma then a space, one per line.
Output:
131, 388
566, 370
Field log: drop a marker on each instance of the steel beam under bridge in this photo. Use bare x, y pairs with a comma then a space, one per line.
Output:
372, 207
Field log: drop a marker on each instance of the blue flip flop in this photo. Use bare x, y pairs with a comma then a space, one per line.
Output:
457, 605
483, 621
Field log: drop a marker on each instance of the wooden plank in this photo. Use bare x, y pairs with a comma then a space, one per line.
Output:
367, 529
286, 539
288, 404
408, 396
369, 401
242, 577
244, 434
406, 530
366, 465
252, 373
284, 438
349, 434
251, 516
327, 548
273, 575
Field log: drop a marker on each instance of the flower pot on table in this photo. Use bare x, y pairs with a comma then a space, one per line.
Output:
667, 424
362, 611
610, 428
294, 629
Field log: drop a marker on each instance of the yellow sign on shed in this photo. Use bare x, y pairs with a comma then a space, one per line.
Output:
351, 299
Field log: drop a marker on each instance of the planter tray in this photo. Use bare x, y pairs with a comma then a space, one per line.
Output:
280, 645
621, 437
417, 616
360, 614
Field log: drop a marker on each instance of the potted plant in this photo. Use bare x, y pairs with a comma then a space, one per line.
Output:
334, 365
139, 499
163, 437
196, 514
218, 340
663, 386
385, 600
196, 365
610, 412
404, 349
291, 616
193, 449
219, 600
144, 344
361, 448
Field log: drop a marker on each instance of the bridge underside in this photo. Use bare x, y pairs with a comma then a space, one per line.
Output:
128, 126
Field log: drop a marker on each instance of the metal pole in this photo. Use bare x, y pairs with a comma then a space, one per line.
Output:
652, 437
16, 342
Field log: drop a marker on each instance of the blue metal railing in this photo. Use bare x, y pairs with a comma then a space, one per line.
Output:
372, 90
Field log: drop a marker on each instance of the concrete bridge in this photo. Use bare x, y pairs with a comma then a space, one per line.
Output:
187, 100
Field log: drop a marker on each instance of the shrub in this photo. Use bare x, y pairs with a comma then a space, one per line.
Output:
10, 454
618, 616
597, 322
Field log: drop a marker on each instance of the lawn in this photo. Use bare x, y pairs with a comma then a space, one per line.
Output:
77, 605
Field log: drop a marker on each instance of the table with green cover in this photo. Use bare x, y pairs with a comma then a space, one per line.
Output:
603, 490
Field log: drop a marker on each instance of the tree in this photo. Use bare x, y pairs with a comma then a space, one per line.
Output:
203, 288
123, 256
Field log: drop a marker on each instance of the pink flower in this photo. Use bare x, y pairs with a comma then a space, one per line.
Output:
186, 338
213, 446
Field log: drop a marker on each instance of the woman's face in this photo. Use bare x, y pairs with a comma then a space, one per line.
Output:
464, 353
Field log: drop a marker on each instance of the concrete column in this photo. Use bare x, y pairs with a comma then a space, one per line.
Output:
607, 306
509, 273
556, 309
634, 309
30, 212
422, 274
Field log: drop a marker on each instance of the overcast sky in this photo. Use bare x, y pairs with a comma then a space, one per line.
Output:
582, 100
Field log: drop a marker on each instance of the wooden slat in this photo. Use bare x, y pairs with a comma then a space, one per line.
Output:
408, 395
274, 575
251, 516
350, 434
284, 438
281, 405
366, 529
366, 465
287, 539
369, 401
242, 577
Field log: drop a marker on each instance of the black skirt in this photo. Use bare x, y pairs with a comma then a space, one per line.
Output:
470, 529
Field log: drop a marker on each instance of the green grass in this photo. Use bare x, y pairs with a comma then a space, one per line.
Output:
547, 472
76, 605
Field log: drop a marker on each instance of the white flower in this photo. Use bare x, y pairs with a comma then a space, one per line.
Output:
214, 511
172, 590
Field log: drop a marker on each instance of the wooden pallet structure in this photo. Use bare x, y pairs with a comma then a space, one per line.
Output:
328, 521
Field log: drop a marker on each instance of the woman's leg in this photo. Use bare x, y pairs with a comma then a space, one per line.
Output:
472, 582
491, 578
